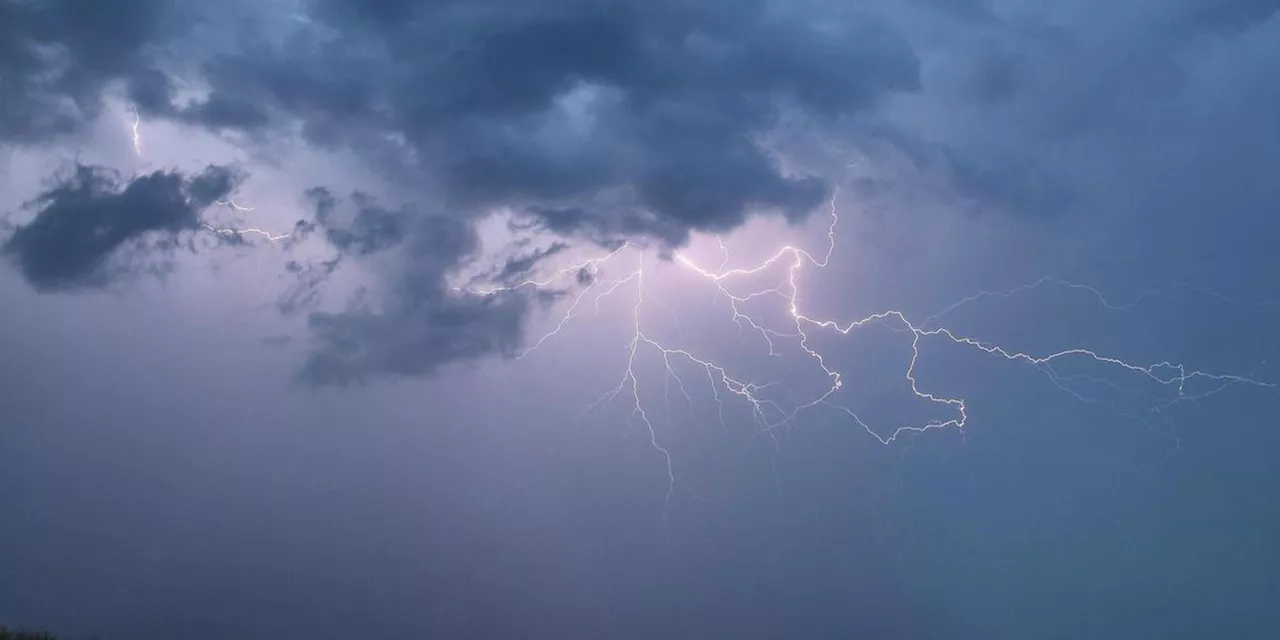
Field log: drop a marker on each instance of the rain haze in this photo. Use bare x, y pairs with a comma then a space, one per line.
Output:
643, 319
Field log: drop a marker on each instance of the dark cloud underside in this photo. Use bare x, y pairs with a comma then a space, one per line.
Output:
634, 106
90, 216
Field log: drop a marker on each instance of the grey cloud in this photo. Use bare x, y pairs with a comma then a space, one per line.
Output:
58, 56
1132, 116
640, 120
151, 91
308, 278
644, 119
963, 9
521, 265
360, 230
357, 231
411, 339
1224, 15
559, 104
420, 324
371, 228
1103, 109
90, 217
593, 224
423, 324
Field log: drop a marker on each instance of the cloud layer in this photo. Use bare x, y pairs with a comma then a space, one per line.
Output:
645, 120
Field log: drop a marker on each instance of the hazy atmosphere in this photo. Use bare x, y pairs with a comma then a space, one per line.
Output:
655, 319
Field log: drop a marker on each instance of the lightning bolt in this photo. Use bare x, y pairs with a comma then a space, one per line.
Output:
231, 231
137, 137
770, 414
230, 202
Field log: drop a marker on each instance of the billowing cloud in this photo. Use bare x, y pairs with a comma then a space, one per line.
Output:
645, 120
648, 112
85, 222
649, 119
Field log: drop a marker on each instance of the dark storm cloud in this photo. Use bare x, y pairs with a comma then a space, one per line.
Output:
360, 230
371, 228
89, 217
424, 323
643, 122
308, 279
357, 231
409, 339
599, 227
521, 265
1042, 110
635, 119
656, 105
618, 121
640, 119
58, 56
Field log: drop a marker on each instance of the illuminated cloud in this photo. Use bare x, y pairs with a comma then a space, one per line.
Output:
651, 120
476, 159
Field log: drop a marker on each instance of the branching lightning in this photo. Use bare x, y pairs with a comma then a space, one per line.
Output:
769, 414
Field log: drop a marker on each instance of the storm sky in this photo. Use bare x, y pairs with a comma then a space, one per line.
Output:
269, 370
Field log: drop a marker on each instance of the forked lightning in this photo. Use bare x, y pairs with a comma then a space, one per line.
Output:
769, 414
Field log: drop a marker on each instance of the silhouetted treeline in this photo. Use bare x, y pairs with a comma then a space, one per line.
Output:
6, 634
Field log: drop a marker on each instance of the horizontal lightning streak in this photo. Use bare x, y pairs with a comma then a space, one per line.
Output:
228, 231
230, 202
231, 231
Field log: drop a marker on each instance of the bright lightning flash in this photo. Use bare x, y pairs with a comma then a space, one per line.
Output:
768, 413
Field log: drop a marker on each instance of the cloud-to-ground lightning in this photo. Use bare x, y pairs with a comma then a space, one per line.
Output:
769, 414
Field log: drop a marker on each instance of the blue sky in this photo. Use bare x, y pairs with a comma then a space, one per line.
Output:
309, 414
